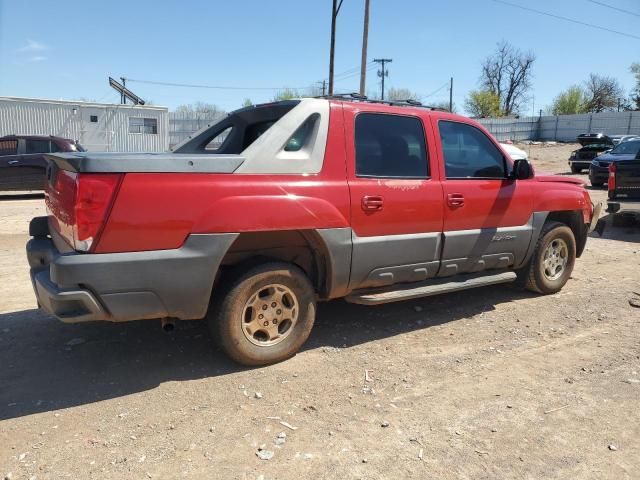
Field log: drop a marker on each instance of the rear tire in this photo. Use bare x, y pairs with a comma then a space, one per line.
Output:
264, 315
553, 260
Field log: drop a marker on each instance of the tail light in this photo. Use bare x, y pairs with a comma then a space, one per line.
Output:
611, 183
80, 204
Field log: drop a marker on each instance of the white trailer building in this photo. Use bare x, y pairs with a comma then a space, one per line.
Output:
97, 127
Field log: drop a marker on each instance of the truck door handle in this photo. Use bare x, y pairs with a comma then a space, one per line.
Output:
372, 203
13, 162
455, 200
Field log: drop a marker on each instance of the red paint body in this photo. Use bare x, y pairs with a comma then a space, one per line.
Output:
153, 211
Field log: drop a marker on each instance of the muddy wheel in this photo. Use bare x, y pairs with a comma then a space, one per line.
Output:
265, 315
553, 259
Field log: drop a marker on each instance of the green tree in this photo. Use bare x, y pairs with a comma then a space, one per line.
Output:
286, 94
635, 93
483, 103
569, 102
247, 102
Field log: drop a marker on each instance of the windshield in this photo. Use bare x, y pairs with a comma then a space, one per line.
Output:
627, 148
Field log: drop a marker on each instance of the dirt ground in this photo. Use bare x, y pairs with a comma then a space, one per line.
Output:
491, 383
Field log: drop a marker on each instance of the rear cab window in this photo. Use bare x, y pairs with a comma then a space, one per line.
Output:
390, 146
469, 154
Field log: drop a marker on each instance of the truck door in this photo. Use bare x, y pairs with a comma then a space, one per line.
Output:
396, 197
487, 216
33, 164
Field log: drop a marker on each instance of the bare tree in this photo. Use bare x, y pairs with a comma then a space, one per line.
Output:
401, 94
507, 73
200, 109
602, 93
635, 93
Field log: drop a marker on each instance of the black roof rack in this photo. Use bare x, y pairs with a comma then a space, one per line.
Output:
356, 97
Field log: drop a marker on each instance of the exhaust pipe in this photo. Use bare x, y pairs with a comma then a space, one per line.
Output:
167, 325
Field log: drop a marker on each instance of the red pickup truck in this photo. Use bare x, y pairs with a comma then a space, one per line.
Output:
256, 218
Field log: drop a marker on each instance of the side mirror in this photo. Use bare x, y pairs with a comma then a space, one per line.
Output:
522, 170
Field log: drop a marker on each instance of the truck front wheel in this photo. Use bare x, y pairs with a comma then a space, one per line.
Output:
553, 259
265, 315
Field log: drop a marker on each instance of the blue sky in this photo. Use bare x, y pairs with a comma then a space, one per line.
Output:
67, 48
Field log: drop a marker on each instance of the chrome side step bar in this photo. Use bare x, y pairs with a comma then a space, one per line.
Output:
436, 287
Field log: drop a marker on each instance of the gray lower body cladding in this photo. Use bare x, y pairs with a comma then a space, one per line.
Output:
387, 260
127, 286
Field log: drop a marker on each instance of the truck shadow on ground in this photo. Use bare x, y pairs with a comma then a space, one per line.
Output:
20, 196
620, 227
47, 365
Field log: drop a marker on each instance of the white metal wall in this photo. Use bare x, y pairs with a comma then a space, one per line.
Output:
564, 128
72, 120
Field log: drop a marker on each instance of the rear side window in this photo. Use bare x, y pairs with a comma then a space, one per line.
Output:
8, 147
38, 146
301, 136
216, 142
469, 153
390, 146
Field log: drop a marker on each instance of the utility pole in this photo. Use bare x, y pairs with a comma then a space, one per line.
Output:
123, 99
365, 40
618, 103
335, 9
324, 87
383, 72
451, 96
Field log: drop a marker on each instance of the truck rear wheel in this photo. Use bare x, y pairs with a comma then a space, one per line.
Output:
553, 259
265, 315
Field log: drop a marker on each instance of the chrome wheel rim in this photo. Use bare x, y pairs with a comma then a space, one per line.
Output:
556, 257
269, 315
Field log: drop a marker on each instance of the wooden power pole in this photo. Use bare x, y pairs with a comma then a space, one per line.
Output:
365, 40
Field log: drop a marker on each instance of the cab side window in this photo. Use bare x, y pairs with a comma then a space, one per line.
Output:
469, 153
390, 146
38, 146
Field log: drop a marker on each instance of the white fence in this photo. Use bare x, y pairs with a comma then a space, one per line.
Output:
182, 125
564, 128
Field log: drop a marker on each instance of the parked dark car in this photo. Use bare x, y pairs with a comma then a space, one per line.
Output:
592, 145
616, 139
22, 163
599, 168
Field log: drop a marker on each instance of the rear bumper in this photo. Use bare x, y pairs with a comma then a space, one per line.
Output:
598, 175
77, 287
623, 206
584, 164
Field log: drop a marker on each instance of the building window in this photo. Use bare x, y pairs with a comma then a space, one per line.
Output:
93, 118
143, 125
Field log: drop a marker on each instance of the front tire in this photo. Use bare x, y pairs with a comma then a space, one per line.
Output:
264, 315
553, 259
575, 169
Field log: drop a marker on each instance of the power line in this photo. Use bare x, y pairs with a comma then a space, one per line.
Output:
567, 19
445, 84
215, 87
614, 8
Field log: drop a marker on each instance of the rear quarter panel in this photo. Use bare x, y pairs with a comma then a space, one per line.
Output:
155, 211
